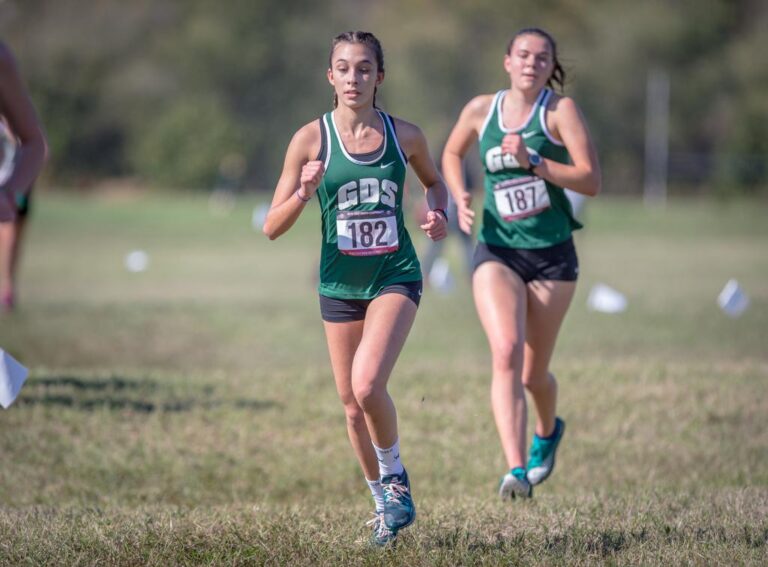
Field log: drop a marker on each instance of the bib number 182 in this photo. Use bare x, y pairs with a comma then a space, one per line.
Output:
366, 233
370, 233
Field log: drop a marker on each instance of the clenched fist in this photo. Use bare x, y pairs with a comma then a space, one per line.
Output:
311, 175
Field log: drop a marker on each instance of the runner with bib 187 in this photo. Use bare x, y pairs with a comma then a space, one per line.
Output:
533, 143
354, 159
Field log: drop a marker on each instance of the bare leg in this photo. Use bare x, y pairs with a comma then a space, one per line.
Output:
548, 303
7, 260
363, 354
500, 298
387, 323
18, 232
343, 340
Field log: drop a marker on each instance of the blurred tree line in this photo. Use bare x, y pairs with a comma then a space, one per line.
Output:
163, 90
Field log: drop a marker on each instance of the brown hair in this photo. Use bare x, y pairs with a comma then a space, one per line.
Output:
558, 73
365, 38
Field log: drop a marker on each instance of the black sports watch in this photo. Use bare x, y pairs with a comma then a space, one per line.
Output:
534, 160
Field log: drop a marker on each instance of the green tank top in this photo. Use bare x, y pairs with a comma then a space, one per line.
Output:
365, 244
521, 210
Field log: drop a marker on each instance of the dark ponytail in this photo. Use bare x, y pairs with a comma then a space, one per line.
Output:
365, 38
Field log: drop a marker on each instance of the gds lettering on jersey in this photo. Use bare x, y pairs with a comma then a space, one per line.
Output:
368, 190
496, 161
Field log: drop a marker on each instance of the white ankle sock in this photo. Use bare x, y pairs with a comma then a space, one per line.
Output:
389, 459
378, 494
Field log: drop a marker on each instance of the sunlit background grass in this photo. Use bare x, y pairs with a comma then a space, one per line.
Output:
186, 414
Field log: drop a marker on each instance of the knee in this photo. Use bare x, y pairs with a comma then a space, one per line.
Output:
355, 416
539, 381
367, 393
507, 355
530, 383
352, 410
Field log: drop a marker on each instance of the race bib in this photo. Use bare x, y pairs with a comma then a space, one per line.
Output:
521, 197
366, 233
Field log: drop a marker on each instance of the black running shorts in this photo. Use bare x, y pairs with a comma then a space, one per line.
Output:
554, 263
344, 310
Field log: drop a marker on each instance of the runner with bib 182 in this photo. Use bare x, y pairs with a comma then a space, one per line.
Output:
532, 143
354, 158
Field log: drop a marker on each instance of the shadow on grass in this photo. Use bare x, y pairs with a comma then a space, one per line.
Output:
119, 393
95, 384
459, 538
606, 543
609, 542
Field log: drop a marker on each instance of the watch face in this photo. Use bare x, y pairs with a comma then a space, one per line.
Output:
534, 159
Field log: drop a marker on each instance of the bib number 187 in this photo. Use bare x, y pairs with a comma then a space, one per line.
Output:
521, 197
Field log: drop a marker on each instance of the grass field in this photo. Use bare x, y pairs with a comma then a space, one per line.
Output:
187, 415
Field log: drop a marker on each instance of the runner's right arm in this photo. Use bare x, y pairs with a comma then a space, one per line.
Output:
298, 183
462, 136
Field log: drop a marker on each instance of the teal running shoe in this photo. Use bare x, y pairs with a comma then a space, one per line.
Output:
541, 461
514, 484
399, 511
382, 536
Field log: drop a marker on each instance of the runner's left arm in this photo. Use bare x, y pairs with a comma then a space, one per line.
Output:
583, 173
415, 147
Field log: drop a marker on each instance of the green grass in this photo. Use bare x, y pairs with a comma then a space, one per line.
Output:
187, 415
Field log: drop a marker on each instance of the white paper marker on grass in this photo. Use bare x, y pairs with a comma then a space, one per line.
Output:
440, 277
605, 299
733, 300
259, 216
136, 261
12, 376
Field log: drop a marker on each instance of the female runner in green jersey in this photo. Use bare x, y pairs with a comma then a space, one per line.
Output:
354, 159
19, 121
532, 143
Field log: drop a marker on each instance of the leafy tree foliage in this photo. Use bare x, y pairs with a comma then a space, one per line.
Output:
162, 90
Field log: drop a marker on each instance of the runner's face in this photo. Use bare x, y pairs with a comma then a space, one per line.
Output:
530, 62
354, 74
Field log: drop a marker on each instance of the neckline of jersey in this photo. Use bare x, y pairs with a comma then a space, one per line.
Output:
531, 114
348, 155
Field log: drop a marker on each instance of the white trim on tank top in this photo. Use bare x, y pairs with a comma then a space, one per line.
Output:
388, 120
346, 153
327, 142
490, 114
527, 120
543, 119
